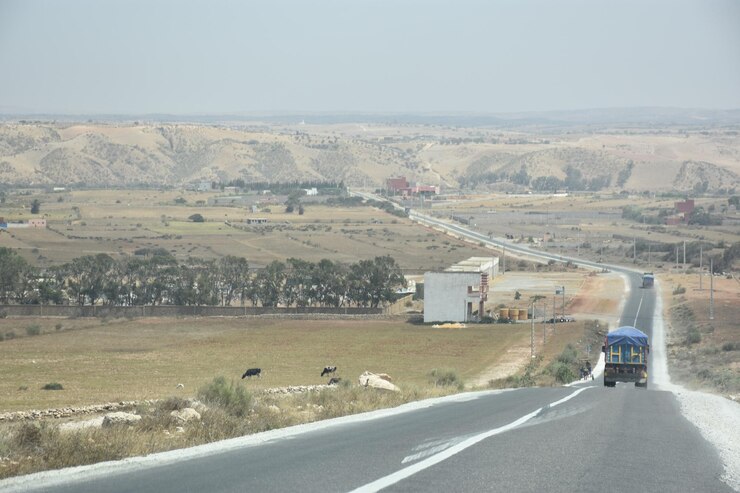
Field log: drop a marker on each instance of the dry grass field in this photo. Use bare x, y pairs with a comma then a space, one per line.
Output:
102, 361
121, 221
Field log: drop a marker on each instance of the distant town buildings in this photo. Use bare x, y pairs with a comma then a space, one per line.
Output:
401, 186
683, 211
31, 223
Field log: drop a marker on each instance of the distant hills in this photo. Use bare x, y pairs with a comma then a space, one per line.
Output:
661, 149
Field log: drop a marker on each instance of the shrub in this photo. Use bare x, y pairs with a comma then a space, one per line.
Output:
679, 290
563, 373
10, 334
445, 378
232, 397
53, 386
173, 404
3, 314
27, 436
58, 326
33, 330
569, 355
694, 337
731, 346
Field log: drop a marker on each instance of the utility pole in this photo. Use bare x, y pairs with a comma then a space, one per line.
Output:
701, 265
553, 308
563, 301
504, 258
684, 254
531, 336
649, 251
711, 288
634, 250
676, 258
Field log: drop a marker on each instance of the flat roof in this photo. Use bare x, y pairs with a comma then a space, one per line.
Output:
473, 264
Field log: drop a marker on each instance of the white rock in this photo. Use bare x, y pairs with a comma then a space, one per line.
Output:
273, 409
368, 379
180, 429
118, 418
185, 415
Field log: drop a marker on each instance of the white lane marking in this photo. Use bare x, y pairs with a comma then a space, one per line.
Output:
430, 450
51, 479
638, 311
409, 471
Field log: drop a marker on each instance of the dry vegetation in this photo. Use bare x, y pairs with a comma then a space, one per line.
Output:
120, 222
703, 352
33, 446
146, 358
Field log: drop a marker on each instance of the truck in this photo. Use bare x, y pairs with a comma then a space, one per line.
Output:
648, 280
626, 357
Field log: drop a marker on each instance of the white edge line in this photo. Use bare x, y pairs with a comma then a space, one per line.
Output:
406, 472
47, 479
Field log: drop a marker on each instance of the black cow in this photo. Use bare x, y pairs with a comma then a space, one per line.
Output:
251, 372
328, 369
334, 380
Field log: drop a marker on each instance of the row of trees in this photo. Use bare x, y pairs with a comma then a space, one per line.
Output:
158, 278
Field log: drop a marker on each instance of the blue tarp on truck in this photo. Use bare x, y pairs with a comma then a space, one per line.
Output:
627, 335
626, 357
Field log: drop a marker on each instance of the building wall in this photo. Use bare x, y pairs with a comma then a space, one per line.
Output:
37, 223
446, 295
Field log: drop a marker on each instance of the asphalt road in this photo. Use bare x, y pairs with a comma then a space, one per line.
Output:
584, 438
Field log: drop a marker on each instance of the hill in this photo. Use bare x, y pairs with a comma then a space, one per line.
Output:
131, 154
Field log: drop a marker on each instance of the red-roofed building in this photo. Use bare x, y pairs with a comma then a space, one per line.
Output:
397, 185
686, 207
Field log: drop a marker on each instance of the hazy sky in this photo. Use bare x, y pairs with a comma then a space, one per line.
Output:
179, 56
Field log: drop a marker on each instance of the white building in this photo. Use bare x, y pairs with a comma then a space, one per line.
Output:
454, 294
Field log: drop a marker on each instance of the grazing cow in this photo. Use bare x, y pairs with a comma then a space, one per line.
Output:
328, 369
334, 380
251, 372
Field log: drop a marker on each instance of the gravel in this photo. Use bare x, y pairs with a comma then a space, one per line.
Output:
716, 417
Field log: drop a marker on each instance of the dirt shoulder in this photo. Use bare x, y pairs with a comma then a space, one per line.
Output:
703, 352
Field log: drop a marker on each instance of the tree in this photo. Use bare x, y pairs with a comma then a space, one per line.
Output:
88, 276
298, 282
372, 282
269, 283
35, 206
232, 278
197, 218
14, 276
330, 283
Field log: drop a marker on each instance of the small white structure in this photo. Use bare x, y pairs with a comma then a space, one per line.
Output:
454, 294
311, 191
